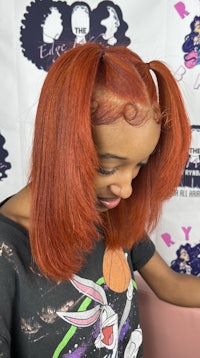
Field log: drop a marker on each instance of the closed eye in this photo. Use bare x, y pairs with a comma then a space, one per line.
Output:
103, 171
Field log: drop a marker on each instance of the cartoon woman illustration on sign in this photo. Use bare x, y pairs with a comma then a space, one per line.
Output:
108, 26
192, 44
43, 32
187, 260
111, 23
52, 27
80, 22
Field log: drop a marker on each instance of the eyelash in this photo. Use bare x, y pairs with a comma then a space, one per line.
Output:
142, 164
103, 171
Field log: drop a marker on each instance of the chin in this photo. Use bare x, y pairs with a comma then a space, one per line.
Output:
101, 209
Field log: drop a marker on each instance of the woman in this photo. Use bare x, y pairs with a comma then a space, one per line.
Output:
106, 154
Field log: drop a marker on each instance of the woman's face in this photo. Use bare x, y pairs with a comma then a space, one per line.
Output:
184, 255
122, 150
197, 26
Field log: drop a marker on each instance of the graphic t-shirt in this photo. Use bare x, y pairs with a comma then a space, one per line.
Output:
84, 317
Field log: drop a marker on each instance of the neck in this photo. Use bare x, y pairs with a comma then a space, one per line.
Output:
17, 208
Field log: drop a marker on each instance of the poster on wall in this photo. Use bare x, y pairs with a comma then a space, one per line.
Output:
34, 33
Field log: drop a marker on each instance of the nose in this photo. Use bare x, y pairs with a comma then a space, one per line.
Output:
123, 190
122, 187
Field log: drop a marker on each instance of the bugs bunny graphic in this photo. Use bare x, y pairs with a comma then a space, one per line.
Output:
109, 330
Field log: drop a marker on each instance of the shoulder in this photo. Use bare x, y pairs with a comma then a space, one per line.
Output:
17, 208
142, 252
10, 230
14, 245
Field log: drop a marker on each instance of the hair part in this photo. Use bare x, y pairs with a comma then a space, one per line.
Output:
64, 218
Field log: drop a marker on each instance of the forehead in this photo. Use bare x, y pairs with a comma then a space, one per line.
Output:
125, 140
108, 107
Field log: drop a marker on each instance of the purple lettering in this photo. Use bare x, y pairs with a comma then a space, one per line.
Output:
63, 47
46, 51
43, 51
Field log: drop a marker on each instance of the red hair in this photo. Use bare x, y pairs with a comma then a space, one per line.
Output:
63, 218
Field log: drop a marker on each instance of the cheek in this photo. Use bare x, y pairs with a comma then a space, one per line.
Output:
101, 182
135, 172
98, 182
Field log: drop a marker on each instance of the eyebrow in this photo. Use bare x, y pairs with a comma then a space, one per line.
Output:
110, 156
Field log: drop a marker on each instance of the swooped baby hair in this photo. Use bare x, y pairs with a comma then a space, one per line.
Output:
64, 219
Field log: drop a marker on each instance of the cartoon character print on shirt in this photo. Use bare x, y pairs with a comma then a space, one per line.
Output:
50, 28
108, 329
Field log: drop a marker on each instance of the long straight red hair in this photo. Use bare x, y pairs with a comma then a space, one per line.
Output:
63, 218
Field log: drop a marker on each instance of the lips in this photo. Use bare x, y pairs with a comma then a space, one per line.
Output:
109, 203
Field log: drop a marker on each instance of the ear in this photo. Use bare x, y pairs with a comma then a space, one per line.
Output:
90, 289
81, 319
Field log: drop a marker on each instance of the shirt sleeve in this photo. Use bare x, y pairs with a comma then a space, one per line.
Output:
142, 252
